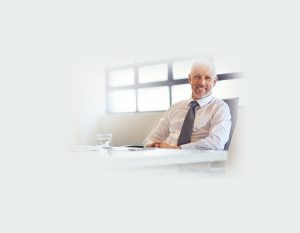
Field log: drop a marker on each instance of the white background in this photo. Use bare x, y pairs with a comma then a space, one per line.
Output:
41, 46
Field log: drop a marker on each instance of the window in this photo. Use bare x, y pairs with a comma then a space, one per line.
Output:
121, 77
154, 73
180, 92
182, 69
122, 101
155, 86
153, 99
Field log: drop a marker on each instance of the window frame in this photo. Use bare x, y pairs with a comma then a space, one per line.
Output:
169, 82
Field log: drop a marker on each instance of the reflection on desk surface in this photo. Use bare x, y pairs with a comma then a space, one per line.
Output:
124, 157
157, 155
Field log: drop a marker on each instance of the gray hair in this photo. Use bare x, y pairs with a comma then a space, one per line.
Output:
208, 62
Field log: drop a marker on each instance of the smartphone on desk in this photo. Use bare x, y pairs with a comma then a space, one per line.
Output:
134, 146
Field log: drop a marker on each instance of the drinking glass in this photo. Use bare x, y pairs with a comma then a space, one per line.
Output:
104, 142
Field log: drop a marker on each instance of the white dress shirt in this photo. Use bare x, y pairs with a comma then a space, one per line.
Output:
211, 126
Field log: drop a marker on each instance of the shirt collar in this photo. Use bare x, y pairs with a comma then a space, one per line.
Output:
203, 101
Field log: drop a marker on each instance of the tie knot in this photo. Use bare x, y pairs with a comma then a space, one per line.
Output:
194, 104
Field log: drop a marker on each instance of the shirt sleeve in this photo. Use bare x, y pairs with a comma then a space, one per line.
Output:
218, 133
161, 132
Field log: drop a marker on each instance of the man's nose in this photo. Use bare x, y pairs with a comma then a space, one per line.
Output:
202, 81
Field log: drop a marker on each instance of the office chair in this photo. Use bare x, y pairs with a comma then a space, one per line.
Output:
233, 106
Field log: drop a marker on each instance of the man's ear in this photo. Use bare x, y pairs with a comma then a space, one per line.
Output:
189, 79
215, 81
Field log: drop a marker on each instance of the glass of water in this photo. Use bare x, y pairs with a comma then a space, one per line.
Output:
104, 142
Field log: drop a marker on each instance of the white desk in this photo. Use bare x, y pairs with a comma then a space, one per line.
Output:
124, 157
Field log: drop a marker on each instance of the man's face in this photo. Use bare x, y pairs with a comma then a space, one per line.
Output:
202, 81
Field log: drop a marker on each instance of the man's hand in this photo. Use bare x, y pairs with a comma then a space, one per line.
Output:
159, 144
166, 145
154, 144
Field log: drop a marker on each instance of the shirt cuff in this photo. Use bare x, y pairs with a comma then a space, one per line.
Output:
188, 146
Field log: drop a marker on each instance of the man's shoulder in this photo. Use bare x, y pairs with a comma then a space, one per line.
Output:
218, 101
220, 104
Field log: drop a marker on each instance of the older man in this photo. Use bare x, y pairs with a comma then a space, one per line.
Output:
201, 122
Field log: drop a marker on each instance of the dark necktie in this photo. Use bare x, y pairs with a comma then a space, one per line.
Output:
187, 127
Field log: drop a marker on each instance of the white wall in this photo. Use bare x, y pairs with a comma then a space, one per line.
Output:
60, 197
85, 96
